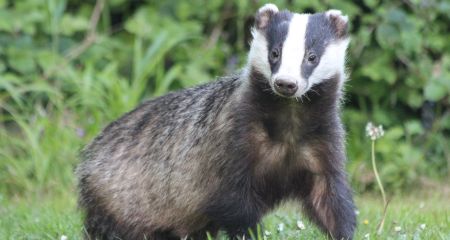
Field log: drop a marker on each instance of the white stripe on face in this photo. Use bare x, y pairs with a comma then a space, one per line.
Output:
292, 54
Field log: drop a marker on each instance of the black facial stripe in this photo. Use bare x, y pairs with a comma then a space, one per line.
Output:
276, 35
319, 33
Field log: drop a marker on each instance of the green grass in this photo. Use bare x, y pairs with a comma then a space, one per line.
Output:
50, 217
40, 218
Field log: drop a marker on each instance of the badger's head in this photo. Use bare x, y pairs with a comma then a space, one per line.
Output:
295, 51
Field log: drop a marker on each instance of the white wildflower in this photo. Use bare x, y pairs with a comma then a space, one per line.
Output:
398, 228
367, 236
280, 227
63, 237
421, 205
300, 225
357, 212
373, 131
422, 226
267, 233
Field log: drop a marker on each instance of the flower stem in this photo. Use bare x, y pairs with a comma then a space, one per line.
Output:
374, 165
380, 185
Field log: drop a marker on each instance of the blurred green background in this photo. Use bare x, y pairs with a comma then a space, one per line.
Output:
67, 68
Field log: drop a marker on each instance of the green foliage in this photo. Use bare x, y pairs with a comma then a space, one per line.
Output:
401, 79
64, 76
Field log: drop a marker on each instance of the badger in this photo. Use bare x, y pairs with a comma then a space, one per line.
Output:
219, 156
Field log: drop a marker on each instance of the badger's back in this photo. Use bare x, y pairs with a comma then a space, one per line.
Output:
149, 172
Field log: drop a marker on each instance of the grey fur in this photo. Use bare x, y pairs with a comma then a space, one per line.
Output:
217, 156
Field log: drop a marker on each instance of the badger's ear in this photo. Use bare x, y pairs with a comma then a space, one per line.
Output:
264, 14
339, 22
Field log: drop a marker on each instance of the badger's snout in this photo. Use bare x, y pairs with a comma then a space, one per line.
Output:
285, 87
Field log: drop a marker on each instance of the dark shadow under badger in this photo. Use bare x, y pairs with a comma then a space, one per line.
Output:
222, 155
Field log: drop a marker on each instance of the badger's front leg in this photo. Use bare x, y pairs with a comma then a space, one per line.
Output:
330, 205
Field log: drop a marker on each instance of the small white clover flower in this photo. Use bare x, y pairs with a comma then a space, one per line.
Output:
421, 205
373, 131
397, 228
367, 236
267, 233
63, 237
301, 225
422, 226
280, 227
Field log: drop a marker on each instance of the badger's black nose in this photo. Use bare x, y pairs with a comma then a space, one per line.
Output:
285, 87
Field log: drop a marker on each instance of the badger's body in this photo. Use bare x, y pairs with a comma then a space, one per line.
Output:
221, 155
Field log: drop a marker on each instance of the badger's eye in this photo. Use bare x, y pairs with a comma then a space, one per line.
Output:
312, 58
274, 54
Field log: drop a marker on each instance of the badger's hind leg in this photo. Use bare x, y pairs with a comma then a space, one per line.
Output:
98, 225
103, 227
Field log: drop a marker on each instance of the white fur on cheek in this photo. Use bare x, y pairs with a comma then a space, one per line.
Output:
293, 51
257, 56
331, 62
